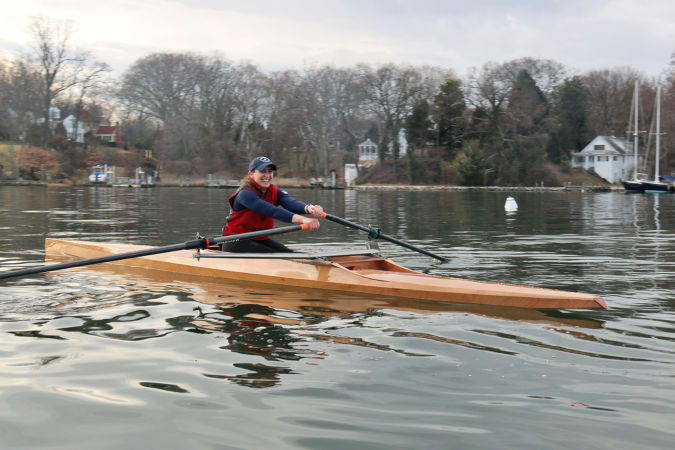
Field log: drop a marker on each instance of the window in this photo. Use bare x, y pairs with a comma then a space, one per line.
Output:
598, 147
591, 158
579, 159
603, 158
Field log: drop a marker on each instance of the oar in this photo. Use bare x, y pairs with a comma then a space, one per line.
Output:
374, 233
189, 245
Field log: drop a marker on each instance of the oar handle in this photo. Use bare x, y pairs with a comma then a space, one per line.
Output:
189, 245
377, 234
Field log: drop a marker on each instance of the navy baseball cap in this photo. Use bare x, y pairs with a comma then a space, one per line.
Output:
260, 163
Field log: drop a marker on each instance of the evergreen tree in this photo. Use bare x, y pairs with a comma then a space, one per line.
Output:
573, 133
449, 106
417, 125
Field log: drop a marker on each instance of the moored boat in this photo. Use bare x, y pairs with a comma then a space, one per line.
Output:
634, 185
655, 186
364, 272
659, 183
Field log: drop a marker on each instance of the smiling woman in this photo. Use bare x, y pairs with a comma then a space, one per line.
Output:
257, 203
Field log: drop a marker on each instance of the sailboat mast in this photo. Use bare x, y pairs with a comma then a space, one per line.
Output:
635, 133
658, 132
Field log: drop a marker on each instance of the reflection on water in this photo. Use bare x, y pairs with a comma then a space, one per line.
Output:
108, 348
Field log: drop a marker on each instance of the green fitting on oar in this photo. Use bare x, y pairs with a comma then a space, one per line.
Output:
374, 233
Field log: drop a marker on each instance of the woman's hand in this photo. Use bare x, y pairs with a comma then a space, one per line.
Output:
315, 210
313, 223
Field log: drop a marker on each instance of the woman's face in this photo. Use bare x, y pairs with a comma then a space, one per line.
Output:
262, 177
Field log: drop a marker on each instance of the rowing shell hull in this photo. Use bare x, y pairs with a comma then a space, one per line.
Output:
358, 274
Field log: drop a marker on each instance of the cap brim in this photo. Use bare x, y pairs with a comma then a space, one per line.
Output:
263, 166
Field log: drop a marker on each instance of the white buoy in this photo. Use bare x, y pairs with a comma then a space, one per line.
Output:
510, 205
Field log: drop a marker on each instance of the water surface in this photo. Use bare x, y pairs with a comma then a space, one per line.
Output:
113, 357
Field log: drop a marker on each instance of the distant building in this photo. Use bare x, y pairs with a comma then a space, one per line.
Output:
91, 126
87, 125
368, 150
75, 135
367, 153
109, 134
610, 157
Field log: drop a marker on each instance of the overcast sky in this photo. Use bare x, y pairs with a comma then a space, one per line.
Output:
581, 34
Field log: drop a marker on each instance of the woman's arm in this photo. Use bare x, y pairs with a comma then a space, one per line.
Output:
248, 199
297, 206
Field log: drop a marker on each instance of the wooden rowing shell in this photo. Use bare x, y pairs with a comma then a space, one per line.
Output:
357, 274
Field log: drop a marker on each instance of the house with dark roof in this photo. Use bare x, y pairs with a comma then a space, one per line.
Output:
109, 134
610, 157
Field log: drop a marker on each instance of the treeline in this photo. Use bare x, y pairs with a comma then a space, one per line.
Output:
510, 123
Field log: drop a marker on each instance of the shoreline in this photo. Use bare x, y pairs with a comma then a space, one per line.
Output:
486, 188
365, 187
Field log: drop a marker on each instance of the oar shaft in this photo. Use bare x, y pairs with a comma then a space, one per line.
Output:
189, 245
393, 240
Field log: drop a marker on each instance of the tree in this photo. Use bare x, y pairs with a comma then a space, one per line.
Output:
20, 87
473, 165
527, 106
34, 160
89, 79
418, 131
328, 98
488, 94
390, 93
448, 110
418, 125
610, 93
161, 85
166, 86
547, 74
249, 95
572, 133
57, 61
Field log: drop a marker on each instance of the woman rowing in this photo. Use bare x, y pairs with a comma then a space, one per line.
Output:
257, 203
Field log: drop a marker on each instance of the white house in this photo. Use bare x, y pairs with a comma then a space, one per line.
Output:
368, 149
610, 157
74, 135
367, 153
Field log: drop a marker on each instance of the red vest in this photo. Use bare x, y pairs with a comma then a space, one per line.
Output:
246, 220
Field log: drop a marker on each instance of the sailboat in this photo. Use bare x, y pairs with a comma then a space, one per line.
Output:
658, 184
636, 184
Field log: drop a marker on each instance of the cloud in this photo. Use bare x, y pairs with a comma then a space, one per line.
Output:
289, 34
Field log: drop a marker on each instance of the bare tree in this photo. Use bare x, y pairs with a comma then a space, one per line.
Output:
250, 94
165, 86
89, 80
488, 92
546, 73
609, 99
317, 99
58, 62
391, 92
20, 86
285, 113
